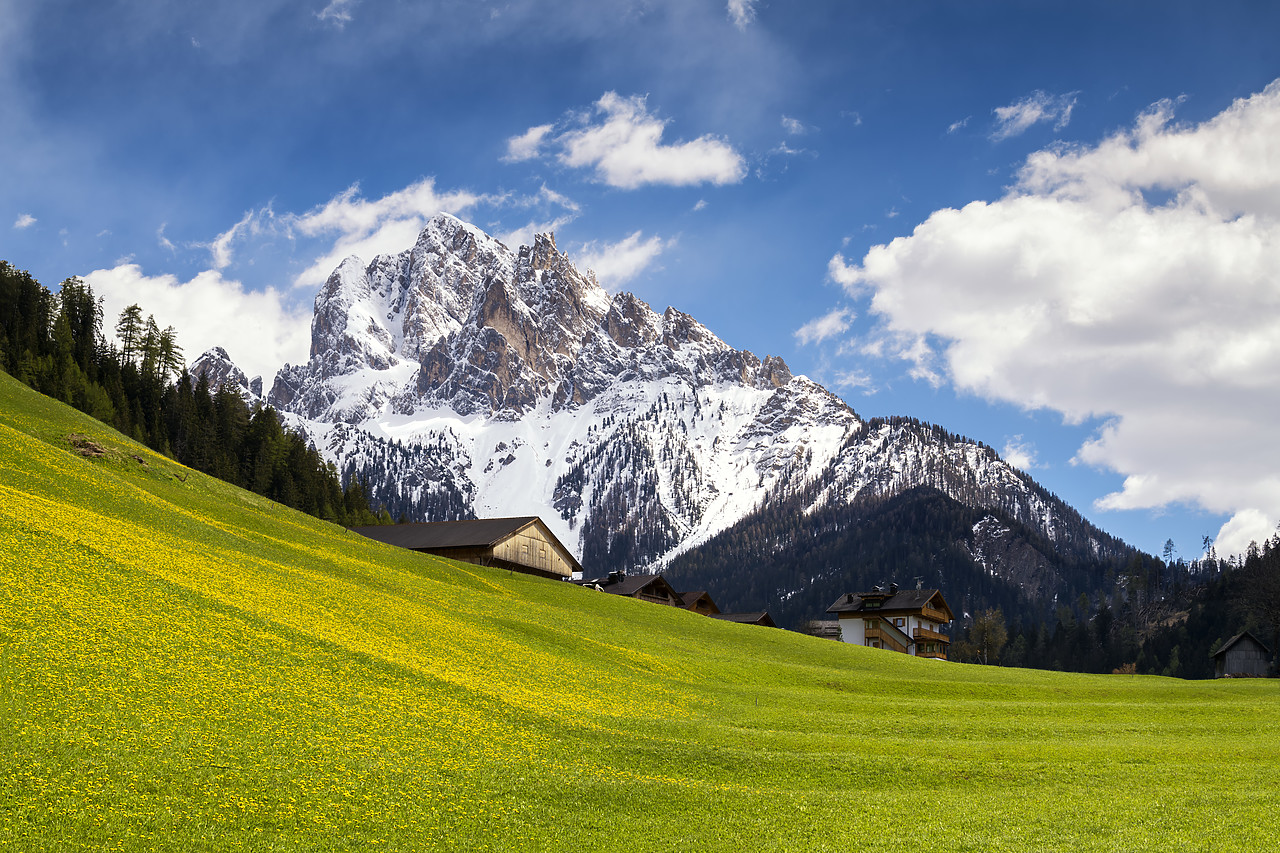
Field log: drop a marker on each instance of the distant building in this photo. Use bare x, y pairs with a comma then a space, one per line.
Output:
699, 602
907, 621
1243, 654
521, 544
655, 589
652, 588
759, 618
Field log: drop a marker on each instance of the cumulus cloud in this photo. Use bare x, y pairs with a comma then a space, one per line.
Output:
1138, 281
527, 145
614, 264
523, 235
26, 220
741, 12
260, 330
1019, 453
1035, 108
622, 142
829, 325
370, 227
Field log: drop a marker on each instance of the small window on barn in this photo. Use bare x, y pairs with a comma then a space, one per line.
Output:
899, 622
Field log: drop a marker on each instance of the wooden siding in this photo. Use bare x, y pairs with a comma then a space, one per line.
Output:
530, 547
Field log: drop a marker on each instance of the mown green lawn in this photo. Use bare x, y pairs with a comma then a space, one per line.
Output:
186, 666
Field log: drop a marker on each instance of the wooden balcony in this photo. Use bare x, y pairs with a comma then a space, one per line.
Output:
934, 615
925, 634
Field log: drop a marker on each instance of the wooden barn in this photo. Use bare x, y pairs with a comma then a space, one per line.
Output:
907, 621
521, 544
1242, 655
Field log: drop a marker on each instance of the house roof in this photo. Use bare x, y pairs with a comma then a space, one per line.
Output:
761, 617
620, 584
689, 600
900, 601
1239, 637
476, 533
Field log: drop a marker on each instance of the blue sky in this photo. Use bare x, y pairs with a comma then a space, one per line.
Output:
1049, 227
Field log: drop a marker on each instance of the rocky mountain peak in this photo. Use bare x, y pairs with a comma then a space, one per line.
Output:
218, 369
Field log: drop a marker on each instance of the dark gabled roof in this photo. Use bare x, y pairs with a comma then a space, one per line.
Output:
690, 599
761, 617
1237, 638
902, 600
628, 584
477, 533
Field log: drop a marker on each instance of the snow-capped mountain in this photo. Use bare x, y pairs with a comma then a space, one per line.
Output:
462, 378
218, 369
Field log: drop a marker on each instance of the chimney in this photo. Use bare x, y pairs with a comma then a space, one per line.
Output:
893, 589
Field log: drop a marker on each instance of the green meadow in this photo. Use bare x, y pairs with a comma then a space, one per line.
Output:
186, 666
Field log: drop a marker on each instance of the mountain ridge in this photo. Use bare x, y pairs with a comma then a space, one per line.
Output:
461, 378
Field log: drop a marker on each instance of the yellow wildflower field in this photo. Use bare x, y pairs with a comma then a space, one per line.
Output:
184, 665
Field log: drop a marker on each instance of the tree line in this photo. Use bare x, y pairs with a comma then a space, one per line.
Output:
1161, 618
55, 344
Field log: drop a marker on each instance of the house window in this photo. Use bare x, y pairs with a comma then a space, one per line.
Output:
899, 622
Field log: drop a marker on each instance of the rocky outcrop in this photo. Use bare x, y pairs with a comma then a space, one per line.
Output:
218, 369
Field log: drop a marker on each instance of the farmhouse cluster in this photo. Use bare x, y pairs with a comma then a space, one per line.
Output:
912, 622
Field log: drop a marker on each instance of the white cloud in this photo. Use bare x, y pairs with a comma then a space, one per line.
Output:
1019, 453
855, 380
741, 12
260, 330
253, 223
165, 242
794, 126
701, 205
26, 220
614, 264
337, 12
1035, 108
842, 273
958, 125
622, 141
524, 234
527, 145
1075, 293
367, 228
828, 325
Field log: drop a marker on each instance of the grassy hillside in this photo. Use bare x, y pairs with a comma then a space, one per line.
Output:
184, 665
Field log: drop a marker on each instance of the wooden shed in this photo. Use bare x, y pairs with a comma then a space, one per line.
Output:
521, 544
1242, 655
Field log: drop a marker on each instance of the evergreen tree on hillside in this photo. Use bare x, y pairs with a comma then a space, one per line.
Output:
55, 345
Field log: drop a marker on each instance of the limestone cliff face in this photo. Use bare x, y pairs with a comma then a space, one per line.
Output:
460, 320
462, 377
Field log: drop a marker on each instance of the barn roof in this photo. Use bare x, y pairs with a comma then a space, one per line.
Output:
1238, 638
476, 533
